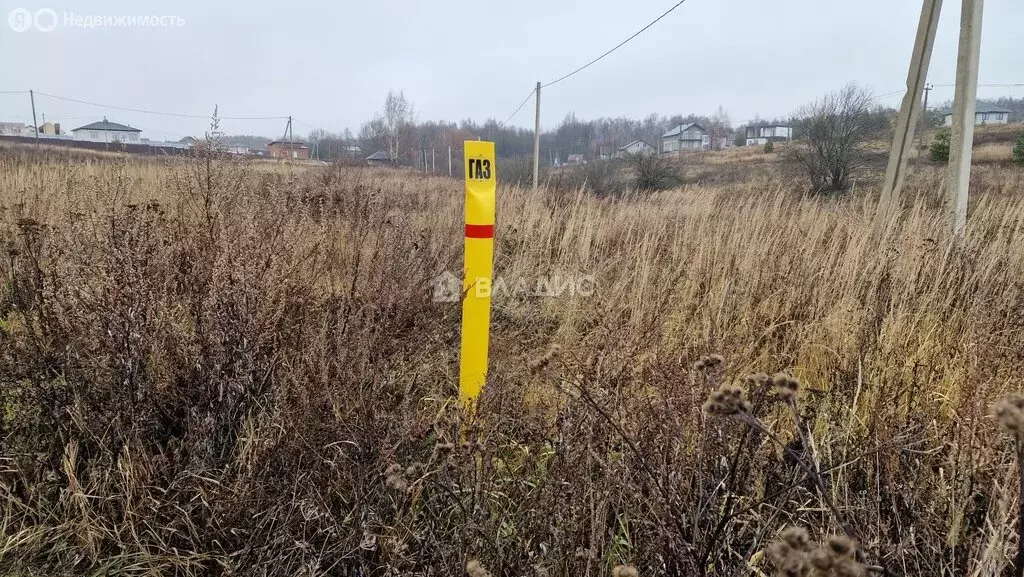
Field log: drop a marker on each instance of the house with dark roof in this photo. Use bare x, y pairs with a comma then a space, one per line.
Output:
984, 115
106, 131
378, 158
690, 137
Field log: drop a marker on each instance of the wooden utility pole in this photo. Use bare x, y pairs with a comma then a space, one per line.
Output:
35, 127
449, 161
964, 106
288, 137
536, 141
903, 139
923, 124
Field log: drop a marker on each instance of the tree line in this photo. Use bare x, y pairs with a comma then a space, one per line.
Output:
402, 138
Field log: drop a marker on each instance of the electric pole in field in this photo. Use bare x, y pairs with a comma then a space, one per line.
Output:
35, 127
288, 137
923, 124
903, 138
536, 141
964, 105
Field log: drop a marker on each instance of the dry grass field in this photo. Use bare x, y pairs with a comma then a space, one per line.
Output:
219, 369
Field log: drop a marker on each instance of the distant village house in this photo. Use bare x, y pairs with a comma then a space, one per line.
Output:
293, 150
984, 116
12, 128
765, 133
50, 129
379, 158
106, 131
636, 147
685, 137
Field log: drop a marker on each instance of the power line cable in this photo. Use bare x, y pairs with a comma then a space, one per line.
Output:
619, 45
158, 113
520, 107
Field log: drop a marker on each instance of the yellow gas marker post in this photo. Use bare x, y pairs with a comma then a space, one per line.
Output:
481, 183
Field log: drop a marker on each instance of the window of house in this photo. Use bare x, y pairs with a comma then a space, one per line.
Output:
94, 134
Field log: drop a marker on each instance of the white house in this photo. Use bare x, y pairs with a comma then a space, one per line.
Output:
12, 128
761, 135
685, 137
985, 116
106, 131
636, 147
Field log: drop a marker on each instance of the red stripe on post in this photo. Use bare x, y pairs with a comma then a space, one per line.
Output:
479, 231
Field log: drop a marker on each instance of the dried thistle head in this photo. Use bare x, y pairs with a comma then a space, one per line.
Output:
848, 568
787, 385
842, 546
1010, 413
726, 400
757, 379
544, 360
476, 569
624, 571
788, 562
395, 478
821, 560
796, 537
708, 362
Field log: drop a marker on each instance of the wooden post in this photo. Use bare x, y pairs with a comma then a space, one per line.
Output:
923, 124
964, 106
903, 139
536, 141
35, 127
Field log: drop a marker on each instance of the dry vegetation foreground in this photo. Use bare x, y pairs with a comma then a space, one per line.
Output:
217, 369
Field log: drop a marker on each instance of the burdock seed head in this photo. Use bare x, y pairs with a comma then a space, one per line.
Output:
476, 569
395, 479
726, 400
1010, 413
787, 560
624, 571
796, 537
757, 379
848, 568
787, 385
708, 362
821, 560
842, 546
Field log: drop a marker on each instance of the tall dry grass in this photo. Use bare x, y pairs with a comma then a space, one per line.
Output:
210, 368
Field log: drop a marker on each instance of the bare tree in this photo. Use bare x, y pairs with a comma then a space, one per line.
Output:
373, 136
653, 172
399, 121
719, 128
832, 133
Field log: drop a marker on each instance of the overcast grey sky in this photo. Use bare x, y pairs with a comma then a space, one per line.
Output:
330, 63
